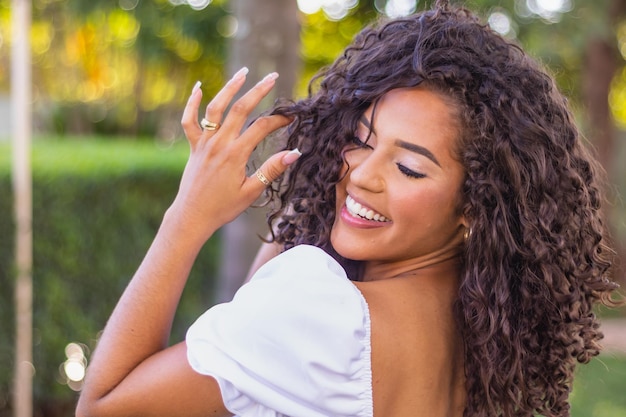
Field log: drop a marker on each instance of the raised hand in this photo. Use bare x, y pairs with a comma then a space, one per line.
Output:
133, 371
215, 188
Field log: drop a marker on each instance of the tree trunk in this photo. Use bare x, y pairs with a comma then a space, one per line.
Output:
600, 66
22, 190
267, 40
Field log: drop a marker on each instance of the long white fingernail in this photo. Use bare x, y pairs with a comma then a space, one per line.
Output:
196, 86
241, 73
292, 156
270, 77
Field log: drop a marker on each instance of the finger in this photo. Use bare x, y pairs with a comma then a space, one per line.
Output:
217, 106
241, 109
189, 120
259, 130
271, 169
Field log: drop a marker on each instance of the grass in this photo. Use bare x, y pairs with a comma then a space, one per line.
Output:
600, 388
58, 156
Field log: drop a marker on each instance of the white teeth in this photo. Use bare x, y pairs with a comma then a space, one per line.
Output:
356, 209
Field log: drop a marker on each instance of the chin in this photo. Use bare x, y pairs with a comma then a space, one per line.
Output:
338, 247
349, 252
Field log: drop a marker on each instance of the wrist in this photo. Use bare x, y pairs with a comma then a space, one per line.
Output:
185, 228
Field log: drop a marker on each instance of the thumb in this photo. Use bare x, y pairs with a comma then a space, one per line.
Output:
273, 168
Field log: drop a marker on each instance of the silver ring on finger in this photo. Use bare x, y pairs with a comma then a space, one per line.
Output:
209, 125
261, 177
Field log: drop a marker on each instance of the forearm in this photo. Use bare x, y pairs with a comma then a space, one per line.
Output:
141, 322
133, 371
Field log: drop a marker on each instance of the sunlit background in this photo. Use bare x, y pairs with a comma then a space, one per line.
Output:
125, 68
72, 371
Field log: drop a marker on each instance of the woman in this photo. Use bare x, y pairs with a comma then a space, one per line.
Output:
443, 173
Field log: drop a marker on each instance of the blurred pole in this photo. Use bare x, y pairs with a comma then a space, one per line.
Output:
22, 191
267, 40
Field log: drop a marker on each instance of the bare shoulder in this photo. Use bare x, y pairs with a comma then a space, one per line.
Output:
266, 252
417, 351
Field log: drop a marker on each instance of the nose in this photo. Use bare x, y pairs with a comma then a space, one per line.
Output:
366, 170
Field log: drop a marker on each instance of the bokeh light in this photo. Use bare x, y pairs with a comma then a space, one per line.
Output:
72, 371
194, 4
309, 6
334, 10
548, 10
500, 21
399, 8
128, 4
228, 26
198, 4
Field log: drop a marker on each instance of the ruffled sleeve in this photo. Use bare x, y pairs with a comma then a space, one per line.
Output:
294, 341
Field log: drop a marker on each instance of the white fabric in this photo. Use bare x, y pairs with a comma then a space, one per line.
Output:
295, 341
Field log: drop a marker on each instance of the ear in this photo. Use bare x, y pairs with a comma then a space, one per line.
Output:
465, 221
466, 228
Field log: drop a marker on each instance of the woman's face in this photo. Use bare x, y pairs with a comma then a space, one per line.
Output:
400, 198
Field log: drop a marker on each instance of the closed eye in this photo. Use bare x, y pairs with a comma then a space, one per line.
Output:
358, 142
410, 173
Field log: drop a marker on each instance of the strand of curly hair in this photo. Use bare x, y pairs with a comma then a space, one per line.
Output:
535, 262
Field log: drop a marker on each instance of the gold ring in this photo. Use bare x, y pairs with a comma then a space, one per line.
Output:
262, 178
207, 125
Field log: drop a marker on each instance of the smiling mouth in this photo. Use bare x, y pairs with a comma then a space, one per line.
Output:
358, 210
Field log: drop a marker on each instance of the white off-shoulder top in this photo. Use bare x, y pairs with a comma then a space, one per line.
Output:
294, 341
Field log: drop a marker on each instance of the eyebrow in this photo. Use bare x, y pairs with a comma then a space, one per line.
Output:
405, 145
367, 124
417, 149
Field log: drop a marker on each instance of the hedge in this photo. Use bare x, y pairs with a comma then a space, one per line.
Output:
96, 207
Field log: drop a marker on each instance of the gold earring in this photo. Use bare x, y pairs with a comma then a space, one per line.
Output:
467, 234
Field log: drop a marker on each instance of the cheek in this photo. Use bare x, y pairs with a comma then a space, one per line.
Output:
343, 173
340, 197
349, 162
426, 207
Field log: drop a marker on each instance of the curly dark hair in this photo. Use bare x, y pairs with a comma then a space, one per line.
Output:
536, 261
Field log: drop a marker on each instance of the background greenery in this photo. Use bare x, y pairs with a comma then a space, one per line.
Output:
97, 205
123, 69
599, 388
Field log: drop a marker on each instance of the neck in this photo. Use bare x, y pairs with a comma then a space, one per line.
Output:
437, 265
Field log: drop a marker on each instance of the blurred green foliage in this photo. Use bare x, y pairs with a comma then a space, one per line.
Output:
118, 67
126, 67
599, 388
97, 205
558, 40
